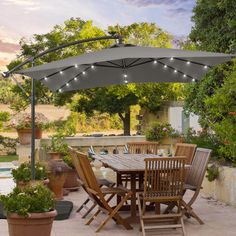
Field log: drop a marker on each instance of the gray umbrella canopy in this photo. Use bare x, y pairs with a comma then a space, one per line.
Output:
123, 64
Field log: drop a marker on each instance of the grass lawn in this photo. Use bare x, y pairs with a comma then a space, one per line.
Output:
8, 158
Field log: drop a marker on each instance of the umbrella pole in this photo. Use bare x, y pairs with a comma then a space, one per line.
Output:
33, 127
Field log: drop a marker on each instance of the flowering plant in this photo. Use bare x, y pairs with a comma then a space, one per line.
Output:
158, 131
23, 120
33, 199
23, 172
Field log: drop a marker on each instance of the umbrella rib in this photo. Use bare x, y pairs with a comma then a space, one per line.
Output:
113, 63
141, 63
54, 73
193, 62
136, 60
108, 66
181, 72
69, 81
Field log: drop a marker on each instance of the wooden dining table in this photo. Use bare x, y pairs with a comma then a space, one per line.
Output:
131, 165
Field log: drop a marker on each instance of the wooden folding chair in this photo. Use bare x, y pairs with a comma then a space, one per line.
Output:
163, 183
187, 150
145, 147
99, 193
194, 181
102, 182
195, 178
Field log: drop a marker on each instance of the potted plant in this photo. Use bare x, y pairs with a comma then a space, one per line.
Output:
71, 182
58, 147
30, 211
22, 175
22, 123
57, 172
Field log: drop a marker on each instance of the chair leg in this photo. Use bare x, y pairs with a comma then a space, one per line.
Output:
93, 217
190, 211
183, 227
89, 210
113, 213
82, 206
141, 214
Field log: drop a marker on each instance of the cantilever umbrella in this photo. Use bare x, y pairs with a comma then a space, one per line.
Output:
125, 63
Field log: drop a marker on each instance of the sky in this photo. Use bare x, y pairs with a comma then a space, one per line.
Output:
23, 18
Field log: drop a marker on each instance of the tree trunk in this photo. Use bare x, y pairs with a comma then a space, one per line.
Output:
126, 122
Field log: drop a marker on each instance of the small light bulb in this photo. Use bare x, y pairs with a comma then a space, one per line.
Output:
45, 78
61, 72
125, 75
60, 90
67, 84
193, 80
126, 81
92, 66
175, 71
205, 67
165, 66
75, 79
188, 62
172, 58
83, 72
184, 76
76, 66
155, 61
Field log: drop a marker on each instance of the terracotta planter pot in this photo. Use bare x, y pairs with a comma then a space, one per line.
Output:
25, 135
55, 155
37, 224
71, 182
56, 183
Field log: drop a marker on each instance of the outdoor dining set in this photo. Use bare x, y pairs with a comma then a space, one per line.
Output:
151, 187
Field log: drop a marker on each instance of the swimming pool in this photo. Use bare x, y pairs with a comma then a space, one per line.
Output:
5, 172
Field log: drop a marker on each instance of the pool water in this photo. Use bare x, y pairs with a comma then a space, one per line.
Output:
5, 172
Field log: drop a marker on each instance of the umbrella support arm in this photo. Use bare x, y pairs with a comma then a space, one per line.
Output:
8, 73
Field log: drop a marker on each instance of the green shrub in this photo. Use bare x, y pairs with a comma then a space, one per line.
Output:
212, 173
204, 139
34, 199
4, 117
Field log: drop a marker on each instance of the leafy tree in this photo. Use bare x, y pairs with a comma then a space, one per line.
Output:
215, 25
211, 98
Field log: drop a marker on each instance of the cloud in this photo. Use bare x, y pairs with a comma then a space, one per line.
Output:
9, 47
179, 11
146, 3
30, 5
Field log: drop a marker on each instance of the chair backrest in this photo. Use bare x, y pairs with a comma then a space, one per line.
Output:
89, 175
75, 161
143, 147
198, 168
164, 177
187, 150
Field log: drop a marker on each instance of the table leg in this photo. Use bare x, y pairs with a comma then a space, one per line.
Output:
118, 182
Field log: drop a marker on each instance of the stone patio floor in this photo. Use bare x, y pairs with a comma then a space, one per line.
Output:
218, 217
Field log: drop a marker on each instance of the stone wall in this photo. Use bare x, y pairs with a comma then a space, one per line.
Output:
223, 188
